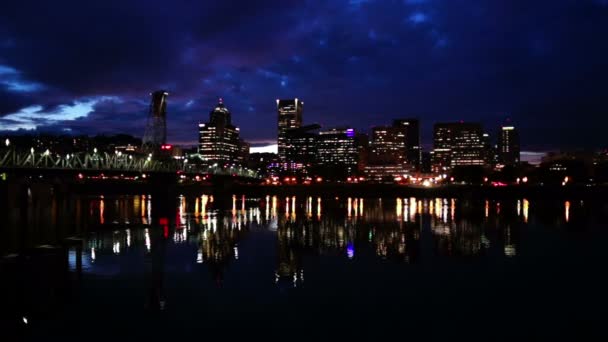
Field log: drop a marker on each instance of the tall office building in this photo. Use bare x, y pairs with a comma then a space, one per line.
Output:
387, 145
457, 144
442, 148
489, 150
337, 148
413, 152
300, 147
508, 146
218, 139
289, 117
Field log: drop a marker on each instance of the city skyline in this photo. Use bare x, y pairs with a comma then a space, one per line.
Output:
360, 63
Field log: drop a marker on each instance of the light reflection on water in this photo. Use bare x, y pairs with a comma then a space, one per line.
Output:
393, 228
402, 229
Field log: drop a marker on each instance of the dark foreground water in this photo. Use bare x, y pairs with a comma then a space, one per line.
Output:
303, 268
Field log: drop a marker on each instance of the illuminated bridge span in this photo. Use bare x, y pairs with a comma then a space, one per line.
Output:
11, 159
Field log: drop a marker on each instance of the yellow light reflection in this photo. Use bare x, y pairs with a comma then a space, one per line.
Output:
101, 211
398, 209
309, 206
438, 207
286, 206
143, 208
567, 211
526, 209
361, 207
204, 200
319, 207
452, 208
487, 209
267, 211
413, 209
196, 207
274, 206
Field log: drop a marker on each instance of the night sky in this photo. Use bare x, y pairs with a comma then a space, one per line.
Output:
89, 66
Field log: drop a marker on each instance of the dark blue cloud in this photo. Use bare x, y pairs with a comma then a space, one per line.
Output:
89, 67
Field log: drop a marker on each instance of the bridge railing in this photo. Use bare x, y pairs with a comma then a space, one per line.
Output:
15, 159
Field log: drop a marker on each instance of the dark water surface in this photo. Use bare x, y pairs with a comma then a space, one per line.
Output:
281, 267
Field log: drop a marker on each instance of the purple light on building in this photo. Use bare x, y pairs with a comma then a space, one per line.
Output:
350, 132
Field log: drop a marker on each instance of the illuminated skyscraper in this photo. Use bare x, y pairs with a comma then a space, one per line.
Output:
458, 144
289, 117
219, 139
301, 147
337, 149
387, 145
508, 146
413, 152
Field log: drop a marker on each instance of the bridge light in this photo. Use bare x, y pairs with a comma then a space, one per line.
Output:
149, 155
32, 150
7, 142
130, 157
95, 150
67, 156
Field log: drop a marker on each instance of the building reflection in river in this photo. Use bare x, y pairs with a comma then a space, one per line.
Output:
402, 229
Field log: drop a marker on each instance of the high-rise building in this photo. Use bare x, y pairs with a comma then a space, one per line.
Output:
219, 139
300, 147
243, 155
413, 152
508, 146
457, 144
337, 149
289, 117
387, 145
156, 127
442, 148
362, 141
489, 150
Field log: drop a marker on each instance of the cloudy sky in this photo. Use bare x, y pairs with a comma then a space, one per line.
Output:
89, 66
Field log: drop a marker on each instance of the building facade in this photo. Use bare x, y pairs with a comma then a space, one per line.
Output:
219, 140
508, 146
387, 146
289, 117
413, 151
300, 151
337, 148
458, 144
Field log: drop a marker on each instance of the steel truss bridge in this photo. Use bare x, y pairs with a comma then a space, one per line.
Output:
12, 159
